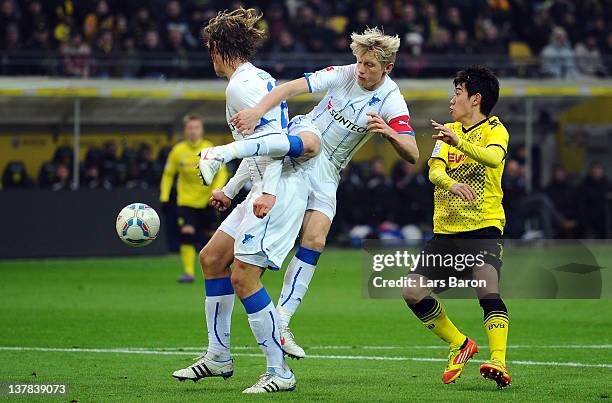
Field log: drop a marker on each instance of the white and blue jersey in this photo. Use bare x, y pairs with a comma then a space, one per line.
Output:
262, 242
340, 119
247, 86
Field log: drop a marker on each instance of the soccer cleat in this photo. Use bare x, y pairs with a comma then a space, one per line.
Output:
185, 278
205, 368
496, 371
457, 359
289, 345
209, 165
271, 382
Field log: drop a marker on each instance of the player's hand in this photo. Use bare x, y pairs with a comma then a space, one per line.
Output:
446, 134
464, 191
263, 204
246, 120
219, 200
377, 125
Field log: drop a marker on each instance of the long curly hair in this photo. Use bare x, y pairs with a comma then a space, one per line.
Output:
234, 35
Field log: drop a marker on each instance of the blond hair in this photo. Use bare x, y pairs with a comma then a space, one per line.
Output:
384, 47
193, 116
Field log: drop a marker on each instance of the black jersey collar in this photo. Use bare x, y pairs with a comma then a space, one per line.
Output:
474, 126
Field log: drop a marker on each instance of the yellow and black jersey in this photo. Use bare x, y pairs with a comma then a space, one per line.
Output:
451, 213
183, 159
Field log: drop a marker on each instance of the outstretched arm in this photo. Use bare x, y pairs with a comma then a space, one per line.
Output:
491, 156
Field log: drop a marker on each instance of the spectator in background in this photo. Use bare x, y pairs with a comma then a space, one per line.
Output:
492, 43
462, 45
379, 194
152, 66
175, 21
588, 58
128, 64
453, 20
12, 38
557, 58
520, 206
98, 21
15, 176
284, 47
34, 20
179, 61
414, 193
591, 195
40, 43
563, 196
408, 21
90, 179
360, 21
384, 18
62, 178
141, 23
75, 57
105, 54
352, 204
8, 17
607, 51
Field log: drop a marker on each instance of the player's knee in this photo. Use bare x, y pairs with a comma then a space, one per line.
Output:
312, 144
314, 242
412, 295
211, 261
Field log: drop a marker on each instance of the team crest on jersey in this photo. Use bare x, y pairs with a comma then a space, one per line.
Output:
329, 104
373, 101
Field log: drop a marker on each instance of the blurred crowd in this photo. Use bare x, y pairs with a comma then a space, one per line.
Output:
371, 203
161, 38
102, 168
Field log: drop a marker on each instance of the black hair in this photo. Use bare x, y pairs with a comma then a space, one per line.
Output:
480, 80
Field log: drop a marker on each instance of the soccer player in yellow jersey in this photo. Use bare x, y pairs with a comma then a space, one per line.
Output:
466, 168
192, 198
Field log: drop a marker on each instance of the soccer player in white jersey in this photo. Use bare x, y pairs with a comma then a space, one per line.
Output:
249, 243
361, 100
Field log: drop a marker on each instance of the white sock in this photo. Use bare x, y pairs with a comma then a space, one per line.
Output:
273, 145
263, 320
219, 320
295, 285
219, 305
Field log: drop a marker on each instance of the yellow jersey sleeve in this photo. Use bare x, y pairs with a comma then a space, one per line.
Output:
167, 179
498, 135
440, 151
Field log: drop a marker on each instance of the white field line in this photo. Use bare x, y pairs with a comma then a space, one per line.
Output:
312, 356
406, 347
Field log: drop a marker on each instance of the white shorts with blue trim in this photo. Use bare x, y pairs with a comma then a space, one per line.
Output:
265, 242
323, 176
300, 123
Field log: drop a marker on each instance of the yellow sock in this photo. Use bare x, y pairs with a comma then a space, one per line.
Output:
496, 327
436, 320
188, 254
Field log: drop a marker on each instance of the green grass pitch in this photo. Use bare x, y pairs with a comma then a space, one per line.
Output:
115, 329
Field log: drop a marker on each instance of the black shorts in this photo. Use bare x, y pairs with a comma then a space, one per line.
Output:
484, 246
200, 218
